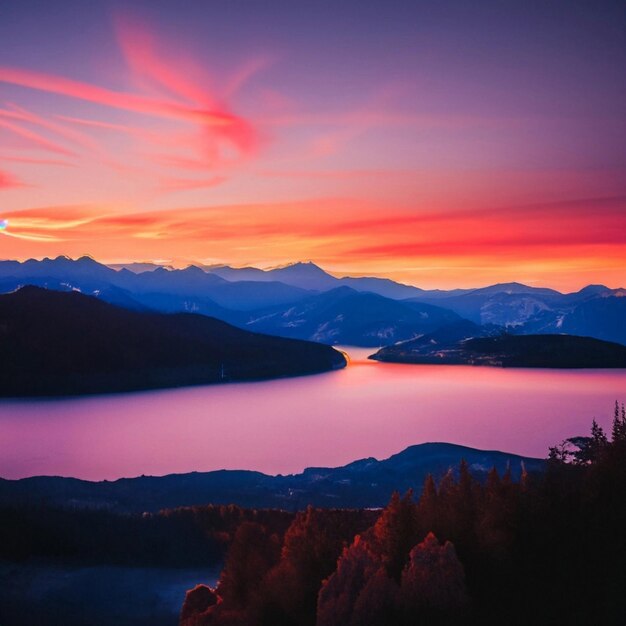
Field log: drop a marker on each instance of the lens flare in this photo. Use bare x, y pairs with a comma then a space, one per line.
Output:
4, 224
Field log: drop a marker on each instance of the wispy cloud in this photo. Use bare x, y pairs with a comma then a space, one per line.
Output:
34, 161
396, 232
37, 140
68, 134
136, 103
176, 115
201, 132
140, 50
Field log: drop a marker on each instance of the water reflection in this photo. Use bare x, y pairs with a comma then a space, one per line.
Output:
367, 409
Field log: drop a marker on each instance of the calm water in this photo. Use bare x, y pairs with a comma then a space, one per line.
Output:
55, 593
368, 409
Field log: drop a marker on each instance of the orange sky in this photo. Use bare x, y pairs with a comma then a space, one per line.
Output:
552, 244
156, 149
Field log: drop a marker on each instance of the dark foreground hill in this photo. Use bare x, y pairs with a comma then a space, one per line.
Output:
364, 483
464, 345
545, 550
60, 343
511, 549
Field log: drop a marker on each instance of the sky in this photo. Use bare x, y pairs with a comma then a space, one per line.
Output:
442, 144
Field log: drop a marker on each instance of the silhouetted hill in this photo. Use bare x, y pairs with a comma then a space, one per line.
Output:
363, 483
436, 342
504, 350
56, 343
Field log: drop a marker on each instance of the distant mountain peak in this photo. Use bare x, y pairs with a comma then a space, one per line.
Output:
513, 288
86, 260
594, 289
514, 285
65, 260
302, 265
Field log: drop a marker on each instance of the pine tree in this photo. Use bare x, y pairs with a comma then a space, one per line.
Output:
465, 479
598, 441
340, 591
619, 423
493, 482
465, 505
447, 491
556, 455
447, 487
251, 554
428, 498
428, 505
396, 531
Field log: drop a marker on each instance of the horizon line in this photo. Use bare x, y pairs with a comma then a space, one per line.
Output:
173, 264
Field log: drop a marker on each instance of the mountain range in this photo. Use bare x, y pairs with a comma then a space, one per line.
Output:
363, 483
305, 302
594, 311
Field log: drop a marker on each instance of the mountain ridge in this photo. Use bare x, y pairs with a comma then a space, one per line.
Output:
364, 482
67, 343
596, 310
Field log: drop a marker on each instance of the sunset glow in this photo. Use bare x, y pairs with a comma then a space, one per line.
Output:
202, 137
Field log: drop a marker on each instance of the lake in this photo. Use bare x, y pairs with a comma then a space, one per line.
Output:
98, 595
282, 426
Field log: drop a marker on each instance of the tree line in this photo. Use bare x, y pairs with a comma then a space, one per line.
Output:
546, 549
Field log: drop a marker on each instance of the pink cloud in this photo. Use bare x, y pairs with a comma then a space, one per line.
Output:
123, 128
69, 134
35, 139
110, 98
221, 123
199, 131
140, 52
